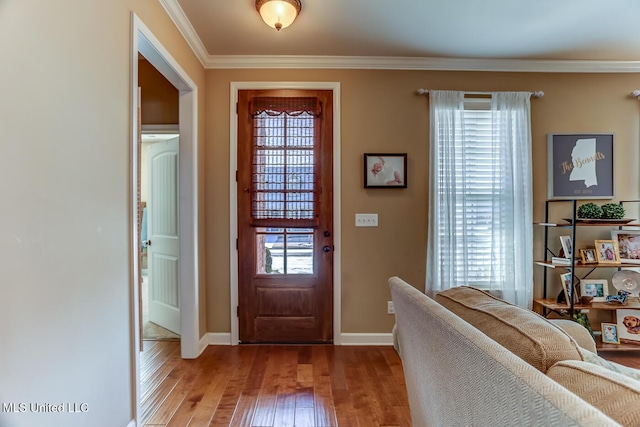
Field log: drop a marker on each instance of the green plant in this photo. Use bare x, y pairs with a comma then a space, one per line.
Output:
590, 211
582, 319
612, 211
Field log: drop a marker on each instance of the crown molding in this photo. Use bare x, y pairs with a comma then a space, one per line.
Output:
179, 18
208, 61
415, 63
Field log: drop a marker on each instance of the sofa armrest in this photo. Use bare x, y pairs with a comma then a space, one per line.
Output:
578, 332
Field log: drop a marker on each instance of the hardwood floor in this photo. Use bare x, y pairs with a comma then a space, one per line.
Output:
287, 385
273, 385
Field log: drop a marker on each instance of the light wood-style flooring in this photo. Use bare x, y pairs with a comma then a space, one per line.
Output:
273, 385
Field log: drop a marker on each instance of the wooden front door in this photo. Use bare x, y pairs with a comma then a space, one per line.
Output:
285, 216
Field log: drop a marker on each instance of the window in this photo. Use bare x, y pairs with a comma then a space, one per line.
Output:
480, 227
478, 186
284, 151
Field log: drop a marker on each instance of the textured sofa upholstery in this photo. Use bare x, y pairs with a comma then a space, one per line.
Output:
523, 332
458, 376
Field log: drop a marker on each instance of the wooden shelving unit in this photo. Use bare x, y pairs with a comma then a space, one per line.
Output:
548, 264
552, 305
569, 308
623, 346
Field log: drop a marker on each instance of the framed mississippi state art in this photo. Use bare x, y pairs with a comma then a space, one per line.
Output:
580, 166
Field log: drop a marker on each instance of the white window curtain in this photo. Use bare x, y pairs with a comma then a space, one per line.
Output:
480, 195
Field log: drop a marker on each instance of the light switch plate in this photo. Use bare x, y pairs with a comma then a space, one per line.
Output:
366, 220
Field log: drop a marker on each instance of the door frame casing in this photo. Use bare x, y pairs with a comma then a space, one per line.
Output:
233, 199
143, 41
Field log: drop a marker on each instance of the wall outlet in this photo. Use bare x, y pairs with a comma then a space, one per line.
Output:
390, 309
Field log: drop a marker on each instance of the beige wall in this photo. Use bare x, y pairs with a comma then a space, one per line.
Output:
380, 112
66, 285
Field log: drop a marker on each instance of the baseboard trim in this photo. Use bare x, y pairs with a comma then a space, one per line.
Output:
224, 338
367, 339
215, 338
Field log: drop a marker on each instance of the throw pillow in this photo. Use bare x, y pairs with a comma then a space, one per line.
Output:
523, 332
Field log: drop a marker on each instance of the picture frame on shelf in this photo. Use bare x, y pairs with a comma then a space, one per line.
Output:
565, 279
567, 246
588, 256
596, 288
385, 170
628, 245
607, 252
628, 322
580, 166
610, 333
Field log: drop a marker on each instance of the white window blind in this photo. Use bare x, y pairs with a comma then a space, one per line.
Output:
479, 186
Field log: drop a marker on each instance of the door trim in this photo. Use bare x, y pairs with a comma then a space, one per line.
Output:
143, 41
233, 199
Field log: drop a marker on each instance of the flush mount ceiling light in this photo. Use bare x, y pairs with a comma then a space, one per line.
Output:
278, 14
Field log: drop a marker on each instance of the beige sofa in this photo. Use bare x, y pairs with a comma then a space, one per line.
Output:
457, 375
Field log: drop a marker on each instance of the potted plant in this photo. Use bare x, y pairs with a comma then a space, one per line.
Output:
589, 211
612, 211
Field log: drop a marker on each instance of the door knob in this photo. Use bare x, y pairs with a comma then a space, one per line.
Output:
326, 234
147, 242
326, 248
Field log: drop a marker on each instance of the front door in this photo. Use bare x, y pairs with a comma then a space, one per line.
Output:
285, 216
163, 243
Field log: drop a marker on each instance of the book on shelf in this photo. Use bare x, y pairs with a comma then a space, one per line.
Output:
564, 261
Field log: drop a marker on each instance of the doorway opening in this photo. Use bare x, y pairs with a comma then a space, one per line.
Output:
144, 43
159, 295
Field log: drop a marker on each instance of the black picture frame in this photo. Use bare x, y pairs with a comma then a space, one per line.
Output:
385, 170
580, 166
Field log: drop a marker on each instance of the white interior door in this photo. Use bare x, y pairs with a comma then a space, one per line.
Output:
162, 235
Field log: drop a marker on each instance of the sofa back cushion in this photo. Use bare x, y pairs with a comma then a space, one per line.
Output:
523, 332
457, 376
617, 395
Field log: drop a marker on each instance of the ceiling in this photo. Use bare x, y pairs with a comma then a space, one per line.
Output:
476, 30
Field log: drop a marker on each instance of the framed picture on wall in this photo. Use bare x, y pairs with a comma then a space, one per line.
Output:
385, 170
580, 166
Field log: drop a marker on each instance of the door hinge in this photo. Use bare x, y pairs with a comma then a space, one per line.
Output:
236, 176
236, 108
236, 244
237, 311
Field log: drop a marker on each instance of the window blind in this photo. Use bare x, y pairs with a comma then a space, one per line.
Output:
284, 183
479, 178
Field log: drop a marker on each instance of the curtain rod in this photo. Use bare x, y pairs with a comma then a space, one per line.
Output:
636, 93
536, 94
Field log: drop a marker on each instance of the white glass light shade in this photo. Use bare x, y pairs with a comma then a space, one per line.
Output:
278, 14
